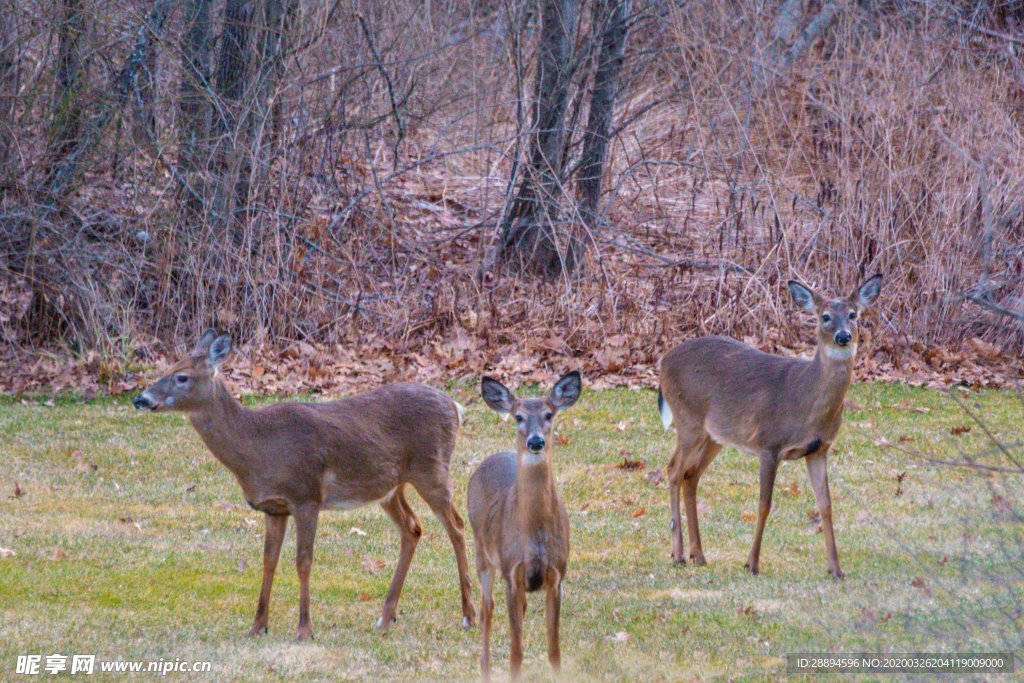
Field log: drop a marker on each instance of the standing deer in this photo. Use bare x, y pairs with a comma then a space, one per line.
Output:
520, 526
300, 458
722, 392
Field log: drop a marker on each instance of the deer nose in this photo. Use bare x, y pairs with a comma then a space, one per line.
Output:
535, 443
843, 338
141, 402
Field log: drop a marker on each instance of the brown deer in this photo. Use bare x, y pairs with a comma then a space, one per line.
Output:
721, 392
520, 526
300, 458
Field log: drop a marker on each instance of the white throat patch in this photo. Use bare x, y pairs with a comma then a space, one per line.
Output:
531, 458
841, 353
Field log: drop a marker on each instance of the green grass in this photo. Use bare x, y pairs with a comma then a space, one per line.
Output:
163, 555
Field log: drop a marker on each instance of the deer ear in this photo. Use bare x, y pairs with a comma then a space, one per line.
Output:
567, 390
496, 395
219, 350
804, 297
867, 292
203, 345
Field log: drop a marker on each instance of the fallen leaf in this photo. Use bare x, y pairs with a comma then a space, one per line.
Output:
749, 516
365, 596
960, 430
793, 489
240, 567
882, 442
639, 512
623, 425
190, 488
862, 516
84, 467
59, 554
357, 531
18, 493
851, 405
905, 439
628, 464
746, 610
655, 477
371, 565
918, 582
620, 637
7, 552
561, 439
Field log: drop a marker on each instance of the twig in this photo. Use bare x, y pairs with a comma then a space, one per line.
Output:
391, 90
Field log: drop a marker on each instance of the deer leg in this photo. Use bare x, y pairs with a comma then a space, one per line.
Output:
769, 466
486, 612
709, 450
409, 527
439, 498
817, 472
676, 467
305, 533
553, 617
515, 600
273, 538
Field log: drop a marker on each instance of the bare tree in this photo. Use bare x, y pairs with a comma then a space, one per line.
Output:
68, 102
614, 16
539, 235
8, 83
194, 110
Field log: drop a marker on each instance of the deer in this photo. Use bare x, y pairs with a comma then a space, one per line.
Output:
520, 526
296, 459
721, 392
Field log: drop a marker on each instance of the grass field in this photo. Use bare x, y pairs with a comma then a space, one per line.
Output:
133, 543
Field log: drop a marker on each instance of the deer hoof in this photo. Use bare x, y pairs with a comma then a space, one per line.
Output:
753, 570
681, 562
838, 574
381, 625
256, 631
466, 623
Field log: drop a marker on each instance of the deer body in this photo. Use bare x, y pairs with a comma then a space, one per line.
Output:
721, 392
296, 459
520, 525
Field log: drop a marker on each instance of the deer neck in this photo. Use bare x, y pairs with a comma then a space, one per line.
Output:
830, 374
535, 496
221, 423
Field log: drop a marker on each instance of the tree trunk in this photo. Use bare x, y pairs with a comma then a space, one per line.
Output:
232, 150
614, 16
71, 76
144, 85
193, 104
530, 240
8, 88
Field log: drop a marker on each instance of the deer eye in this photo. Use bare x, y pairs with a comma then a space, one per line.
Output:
549, 416
853, 315
519, 419
181, 379
826, 317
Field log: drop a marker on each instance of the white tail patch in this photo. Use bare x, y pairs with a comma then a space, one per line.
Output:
666, 413
461, 410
